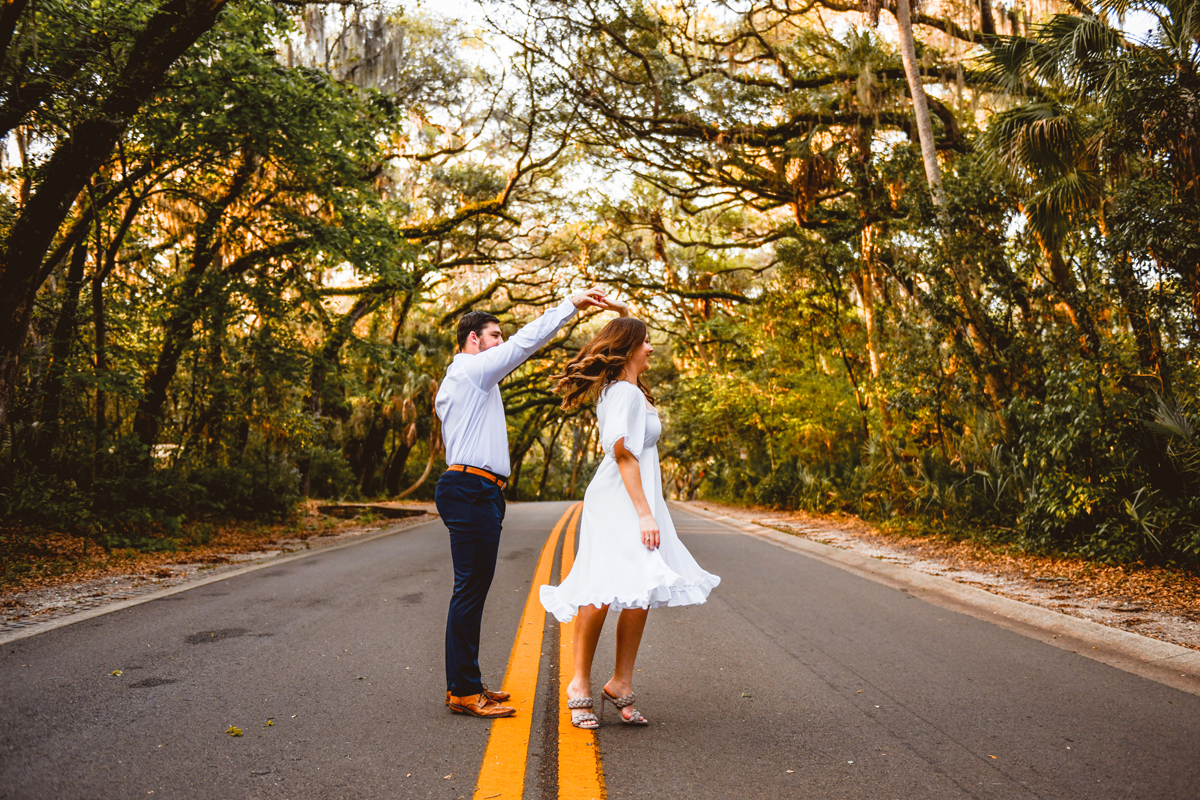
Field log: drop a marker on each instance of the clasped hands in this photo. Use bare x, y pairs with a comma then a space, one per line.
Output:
595, 298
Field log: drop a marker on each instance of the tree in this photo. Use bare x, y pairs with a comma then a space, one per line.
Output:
46, 60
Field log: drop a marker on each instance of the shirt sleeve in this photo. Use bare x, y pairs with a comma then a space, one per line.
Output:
488, 368
624, 418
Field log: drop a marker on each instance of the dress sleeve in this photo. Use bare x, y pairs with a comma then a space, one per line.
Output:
624, 418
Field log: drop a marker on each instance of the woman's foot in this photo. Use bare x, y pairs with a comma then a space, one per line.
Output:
581, 715
579, 700
623, 702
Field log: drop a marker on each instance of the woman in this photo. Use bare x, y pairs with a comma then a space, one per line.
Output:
630, 558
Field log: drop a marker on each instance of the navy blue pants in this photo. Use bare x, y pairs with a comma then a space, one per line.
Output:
473, 509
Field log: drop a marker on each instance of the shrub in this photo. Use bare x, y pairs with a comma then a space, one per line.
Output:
330, 475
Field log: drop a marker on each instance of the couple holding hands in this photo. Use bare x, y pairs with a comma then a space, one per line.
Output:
629, 558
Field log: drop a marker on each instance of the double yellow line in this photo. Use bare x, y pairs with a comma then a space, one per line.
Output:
502, 774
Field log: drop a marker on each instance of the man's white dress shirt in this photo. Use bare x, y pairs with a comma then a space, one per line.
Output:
468, 401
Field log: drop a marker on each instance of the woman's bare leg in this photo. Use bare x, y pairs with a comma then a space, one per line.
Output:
630, 626
589, 621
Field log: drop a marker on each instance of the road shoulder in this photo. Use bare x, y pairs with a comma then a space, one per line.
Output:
1163, 662
118, 595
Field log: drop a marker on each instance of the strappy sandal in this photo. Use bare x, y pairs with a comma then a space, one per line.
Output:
586, 720
635, 717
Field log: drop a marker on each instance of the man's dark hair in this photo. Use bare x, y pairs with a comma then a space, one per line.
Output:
473, 322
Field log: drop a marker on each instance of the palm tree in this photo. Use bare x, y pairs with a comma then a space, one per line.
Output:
908, 54
1104, 112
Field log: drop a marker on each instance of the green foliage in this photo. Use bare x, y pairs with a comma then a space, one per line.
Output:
263, 486
330, 475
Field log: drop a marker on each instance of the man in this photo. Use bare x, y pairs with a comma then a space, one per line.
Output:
469, 494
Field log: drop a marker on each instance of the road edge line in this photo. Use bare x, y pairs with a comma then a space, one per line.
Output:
194, 583
1159, 661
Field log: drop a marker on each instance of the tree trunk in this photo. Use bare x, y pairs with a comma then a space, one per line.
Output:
10, 14
549, 460
100, 324
60, 352
179, 330
908, 54
867, 280
579, 451
187, 308
987, 22
395, 468
322, 398
371, 454
1145, 333
517, 455
434, 448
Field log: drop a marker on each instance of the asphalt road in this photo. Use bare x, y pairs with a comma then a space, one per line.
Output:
796, 679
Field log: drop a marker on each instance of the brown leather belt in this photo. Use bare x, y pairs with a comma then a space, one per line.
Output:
483, 473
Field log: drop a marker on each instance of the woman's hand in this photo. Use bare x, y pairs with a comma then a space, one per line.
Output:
649, 530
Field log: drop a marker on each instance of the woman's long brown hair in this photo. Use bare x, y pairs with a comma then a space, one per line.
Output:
601, 362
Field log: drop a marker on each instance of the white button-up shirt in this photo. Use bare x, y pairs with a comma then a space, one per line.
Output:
468, 401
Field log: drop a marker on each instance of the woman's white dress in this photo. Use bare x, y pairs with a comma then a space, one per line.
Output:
612, 566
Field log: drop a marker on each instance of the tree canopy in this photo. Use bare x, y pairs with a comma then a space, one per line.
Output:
937, 264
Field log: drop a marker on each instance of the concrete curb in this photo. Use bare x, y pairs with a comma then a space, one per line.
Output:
1163, 662
271, 561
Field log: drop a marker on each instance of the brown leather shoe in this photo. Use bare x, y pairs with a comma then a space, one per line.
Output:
498, 697
478, 705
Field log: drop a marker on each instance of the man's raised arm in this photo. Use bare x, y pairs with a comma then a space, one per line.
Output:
490, 366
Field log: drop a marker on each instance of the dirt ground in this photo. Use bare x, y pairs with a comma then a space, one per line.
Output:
1156, 602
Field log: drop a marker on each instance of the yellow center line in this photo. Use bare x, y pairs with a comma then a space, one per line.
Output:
580, 774
502, 774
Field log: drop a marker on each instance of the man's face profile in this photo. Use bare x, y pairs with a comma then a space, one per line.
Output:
489, 337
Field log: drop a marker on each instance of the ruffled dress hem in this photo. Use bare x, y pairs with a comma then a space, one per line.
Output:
668, 595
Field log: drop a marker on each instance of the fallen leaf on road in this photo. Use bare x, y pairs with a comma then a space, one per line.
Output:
234, 730
445, 777
269, 724
116, 672
993, 757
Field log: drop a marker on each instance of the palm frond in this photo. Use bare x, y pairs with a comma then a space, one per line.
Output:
1008, 63
1058, 205
1036, 139
1171, 421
